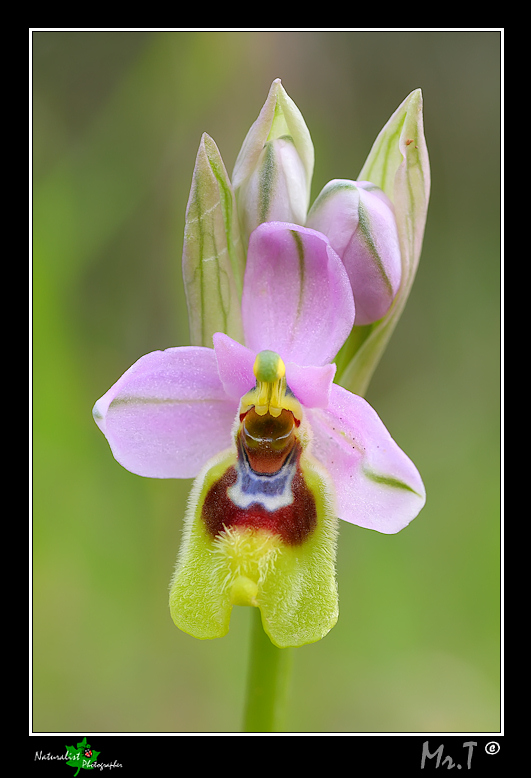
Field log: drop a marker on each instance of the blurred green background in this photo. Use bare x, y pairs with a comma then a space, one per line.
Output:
117, 119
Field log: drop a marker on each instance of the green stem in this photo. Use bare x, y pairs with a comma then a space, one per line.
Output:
269, 673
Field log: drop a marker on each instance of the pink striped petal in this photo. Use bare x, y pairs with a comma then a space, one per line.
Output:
168, 414
297, 298
377, 485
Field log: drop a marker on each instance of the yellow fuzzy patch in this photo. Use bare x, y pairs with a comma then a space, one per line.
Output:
248, 556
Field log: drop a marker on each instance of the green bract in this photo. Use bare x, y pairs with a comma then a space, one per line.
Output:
213, 254
398, 164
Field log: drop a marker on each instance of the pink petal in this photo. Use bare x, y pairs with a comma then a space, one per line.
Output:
377, 485
235, 365
297, 298
168, 414
310, 385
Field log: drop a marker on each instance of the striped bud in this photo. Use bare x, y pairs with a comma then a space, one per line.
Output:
358, 219
273, 171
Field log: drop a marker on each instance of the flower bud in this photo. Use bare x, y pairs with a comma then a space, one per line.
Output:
358, 220
274, 168
398, 163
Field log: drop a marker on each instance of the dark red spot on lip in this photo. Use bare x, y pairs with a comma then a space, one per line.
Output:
294, 522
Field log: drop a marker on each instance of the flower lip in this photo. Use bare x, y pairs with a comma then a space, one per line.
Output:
279, 503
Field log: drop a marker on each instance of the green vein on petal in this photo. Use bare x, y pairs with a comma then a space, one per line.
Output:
386, 480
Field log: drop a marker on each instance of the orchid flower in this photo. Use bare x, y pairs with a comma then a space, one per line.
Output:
278, 451
261, 524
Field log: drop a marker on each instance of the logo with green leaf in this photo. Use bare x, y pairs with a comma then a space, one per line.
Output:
82, 757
